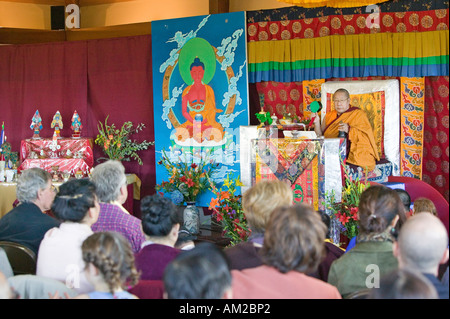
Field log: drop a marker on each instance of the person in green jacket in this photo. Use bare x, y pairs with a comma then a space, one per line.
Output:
380, 212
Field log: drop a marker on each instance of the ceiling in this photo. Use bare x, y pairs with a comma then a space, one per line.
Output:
81, 3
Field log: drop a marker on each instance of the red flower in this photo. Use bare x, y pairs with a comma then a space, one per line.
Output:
183, 179
193, 165
219, 217
344, 219
190, 182
354, 213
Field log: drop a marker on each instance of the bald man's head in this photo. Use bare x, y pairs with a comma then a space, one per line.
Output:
422, 243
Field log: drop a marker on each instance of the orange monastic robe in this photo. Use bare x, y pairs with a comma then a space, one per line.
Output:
363, 149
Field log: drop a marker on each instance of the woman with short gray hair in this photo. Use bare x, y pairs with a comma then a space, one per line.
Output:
111, 185
109, 179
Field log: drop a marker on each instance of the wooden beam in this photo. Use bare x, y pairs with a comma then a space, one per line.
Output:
219, 6
23, 36
124, 30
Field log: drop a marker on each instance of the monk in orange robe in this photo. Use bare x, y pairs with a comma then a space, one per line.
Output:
361, 147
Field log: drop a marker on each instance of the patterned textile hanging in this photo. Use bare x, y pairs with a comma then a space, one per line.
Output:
331, 3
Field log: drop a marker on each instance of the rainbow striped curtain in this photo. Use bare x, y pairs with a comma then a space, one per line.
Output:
297, 44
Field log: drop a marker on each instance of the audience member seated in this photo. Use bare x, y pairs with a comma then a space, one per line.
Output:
293, 246
404, 284
27, 224
59, 257
379, 209
111, 185
406, 200
161, 227
423, 245
5, 289
38, 287
200, 273
109, 266
5, 266
258, 203
332, 252
424, 205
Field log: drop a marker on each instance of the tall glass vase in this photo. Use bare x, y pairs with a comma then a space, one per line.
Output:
191, 218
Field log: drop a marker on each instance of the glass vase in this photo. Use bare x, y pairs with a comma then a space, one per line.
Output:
191, 218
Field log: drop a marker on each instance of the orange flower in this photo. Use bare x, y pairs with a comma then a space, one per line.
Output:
224, 195
214, 203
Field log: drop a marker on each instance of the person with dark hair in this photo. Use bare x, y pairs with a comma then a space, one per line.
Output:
293, 247
200, 273
27, 223
422, 245
332, 251
109, 266
379, 210
111, 185
404, 284
160, 225
361, 147
406, 199
59, 256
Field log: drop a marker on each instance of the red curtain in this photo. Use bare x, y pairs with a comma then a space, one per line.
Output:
435, 167
96, 78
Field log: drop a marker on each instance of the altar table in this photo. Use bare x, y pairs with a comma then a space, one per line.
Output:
67, 154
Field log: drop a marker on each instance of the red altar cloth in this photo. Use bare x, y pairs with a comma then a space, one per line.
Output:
69, 154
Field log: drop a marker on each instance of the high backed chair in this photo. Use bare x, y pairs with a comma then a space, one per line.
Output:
21, 258
417, 188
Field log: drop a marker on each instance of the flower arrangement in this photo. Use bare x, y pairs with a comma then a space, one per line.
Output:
227, 210
186, 180
116, 143
346, 211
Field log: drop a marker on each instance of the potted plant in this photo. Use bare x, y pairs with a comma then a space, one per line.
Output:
117, 143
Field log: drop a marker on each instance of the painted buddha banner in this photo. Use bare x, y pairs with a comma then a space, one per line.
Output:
200, 91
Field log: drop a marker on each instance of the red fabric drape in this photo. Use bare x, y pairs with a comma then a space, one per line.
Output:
96, 78
435, 167
47, 77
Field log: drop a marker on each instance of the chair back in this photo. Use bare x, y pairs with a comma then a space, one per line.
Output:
148, 289
21, 258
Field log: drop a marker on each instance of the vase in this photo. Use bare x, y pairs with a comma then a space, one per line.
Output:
191, 218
